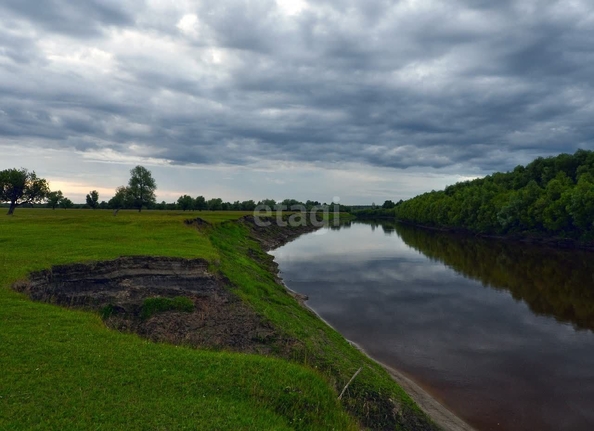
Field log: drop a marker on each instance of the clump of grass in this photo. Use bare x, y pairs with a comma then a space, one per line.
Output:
152, 306
106, 312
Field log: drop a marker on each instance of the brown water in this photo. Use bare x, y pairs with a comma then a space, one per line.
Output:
501, 333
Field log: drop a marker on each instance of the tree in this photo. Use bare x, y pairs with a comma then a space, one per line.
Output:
19, 186
248, 205
271, 203
93, 199
388, 205
141, 187
185, 202
215, 204
120, 198
54, 199
66, 203
200, 203
581, 205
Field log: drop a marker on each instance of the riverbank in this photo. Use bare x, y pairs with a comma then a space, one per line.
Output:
526, 238
53, 352
373, 397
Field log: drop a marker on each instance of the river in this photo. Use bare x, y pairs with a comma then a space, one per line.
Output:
501, 333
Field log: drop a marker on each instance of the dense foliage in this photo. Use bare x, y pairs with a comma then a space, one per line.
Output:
552, 196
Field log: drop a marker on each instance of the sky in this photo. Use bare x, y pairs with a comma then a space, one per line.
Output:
360, 100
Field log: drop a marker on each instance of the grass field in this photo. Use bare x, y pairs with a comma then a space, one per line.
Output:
63, 369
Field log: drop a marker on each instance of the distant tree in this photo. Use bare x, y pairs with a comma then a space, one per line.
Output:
54, 199
215, 204
66, 203
311, 204
388, 205
200, 203
19, 186
119, 200
93, 199
248, 205
141, 187
291, 202
268, 202
185, 202
103, 205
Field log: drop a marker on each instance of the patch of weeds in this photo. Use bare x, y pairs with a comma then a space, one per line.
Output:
152, 306
106, 312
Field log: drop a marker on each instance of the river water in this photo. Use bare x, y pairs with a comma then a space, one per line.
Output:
501, 333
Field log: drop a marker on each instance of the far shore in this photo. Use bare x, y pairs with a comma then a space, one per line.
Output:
539, 240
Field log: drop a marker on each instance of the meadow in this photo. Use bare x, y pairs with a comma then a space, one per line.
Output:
64, 369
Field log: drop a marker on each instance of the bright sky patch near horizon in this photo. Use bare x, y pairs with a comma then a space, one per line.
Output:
279, 99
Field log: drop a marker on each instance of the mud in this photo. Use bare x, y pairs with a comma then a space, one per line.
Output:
118, 288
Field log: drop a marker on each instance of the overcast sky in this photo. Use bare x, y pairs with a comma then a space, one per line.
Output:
365, 100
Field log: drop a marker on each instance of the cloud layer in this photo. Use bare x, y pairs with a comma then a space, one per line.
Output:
465, 86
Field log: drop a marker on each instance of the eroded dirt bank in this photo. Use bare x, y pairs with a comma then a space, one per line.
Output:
273, 235
119, 288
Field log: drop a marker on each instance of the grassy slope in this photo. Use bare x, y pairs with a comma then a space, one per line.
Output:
62, 369
320, 346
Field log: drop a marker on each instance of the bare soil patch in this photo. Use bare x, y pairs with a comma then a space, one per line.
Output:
118, 288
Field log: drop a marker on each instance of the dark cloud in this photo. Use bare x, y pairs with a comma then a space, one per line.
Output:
80, 18
476, 85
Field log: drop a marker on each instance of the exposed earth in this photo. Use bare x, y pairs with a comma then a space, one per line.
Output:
118, 289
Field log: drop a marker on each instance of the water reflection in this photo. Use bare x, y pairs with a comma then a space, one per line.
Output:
558, 283
417, 301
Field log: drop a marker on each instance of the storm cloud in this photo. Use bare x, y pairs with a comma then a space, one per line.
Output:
466, 86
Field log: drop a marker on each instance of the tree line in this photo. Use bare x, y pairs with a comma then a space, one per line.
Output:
552, 196
22, 187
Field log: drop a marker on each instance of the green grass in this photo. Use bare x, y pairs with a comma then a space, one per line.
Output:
36, 239
63, 369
